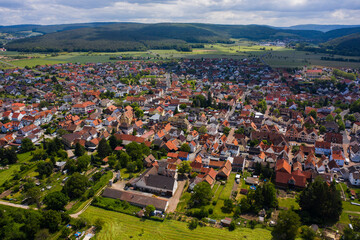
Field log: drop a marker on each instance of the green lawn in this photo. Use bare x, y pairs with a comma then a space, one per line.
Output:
123, 226
8, 173
347, 206
288, 203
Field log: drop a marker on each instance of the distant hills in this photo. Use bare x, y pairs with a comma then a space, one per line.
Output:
317, 27
181, 36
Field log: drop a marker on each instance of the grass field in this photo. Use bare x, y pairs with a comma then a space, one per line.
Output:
122, 226
14, 168
274, 56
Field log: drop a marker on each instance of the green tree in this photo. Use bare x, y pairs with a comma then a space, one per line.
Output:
185, 147
33, 195
56, 200
226, 130
99, 223
43, 234
27, 145
329, 118
307, 233
83, 163
322, 129
228, 206
76, 185
123, 158
193, 224
104, 148
320, 203
182, 106
113, 142
44, 169
313, 114
202, 194
79, 150
202, 130
51, 220
184, 167
287, 226
148, 210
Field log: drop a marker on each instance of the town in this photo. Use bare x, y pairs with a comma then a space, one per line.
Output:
211, 143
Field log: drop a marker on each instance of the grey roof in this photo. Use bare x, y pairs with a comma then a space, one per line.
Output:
159, 181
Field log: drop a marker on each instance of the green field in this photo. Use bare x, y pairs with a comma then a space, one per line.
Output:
288, 203
274, 56
123, 226
14, 168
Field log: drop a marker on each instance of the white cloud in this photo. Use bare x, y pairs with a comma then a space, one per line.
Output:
269, 12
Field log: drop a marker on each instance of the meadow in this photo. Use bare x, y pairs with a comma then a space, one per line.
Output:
274, 56
123, 226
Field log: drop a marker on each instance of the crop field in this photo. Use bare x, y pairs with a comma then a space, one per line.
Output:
123, 226
271, 55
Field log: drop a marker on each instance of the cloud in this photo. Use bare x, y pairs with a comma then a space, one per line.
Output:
269, 12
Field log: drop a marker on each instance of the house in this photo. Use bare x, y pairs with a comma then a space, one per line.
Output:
183, 156
158, 179
83, 108
354, 178
354, 152
336, 138
322, 148
287, 179
238, 163
225, 170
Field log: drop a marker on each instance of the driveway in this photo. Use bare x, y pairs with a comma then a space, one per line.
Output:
174, 200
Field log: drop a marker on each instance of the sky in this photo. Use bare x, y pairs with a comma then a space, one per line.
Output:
266, 12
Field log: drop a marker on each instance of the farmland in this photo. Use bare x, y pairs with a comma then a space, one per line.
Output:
271, 55
123, 226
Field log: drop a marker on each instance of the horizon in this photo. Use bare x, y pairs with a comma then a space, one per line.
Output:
280, 13
115, 22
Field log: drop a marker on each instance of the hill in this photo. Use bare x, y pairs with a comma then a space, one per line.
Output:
347, 45
110, 37
317, 27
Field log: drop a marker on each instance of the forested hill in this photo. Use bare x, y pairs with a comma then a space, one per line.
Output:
138, 36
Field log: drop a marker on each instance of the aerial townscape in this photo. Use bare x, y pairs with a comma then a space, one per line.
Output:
126, 130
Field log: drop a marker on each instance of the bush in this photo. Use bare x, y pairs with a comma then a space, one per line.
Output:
210, 210
232, 226
193, 224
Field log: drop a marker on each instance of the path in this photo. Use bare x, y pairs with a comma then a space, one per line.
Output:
76, 215
16, 205
343, 193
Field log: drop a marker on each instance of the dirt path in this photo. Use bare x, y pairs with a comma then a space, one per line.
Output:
15, 205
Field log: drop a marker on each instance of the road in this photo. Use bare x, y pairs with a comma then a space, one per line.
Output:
174, 200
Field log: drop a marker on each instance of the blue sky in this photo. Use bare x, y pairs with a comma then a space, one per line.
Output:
268, 12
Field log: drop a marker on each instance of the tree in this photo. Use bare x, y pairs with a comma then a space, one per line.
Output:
104, 148
182, 106
329, 118
76, 185
185, 147
123, 158
202, 194
202, 130
287, 226
184, 167
226, 130
113, 142
307, 233
148, 210
83, 163
8, 156
320, 203
27, 145
131, 167
51, 220
322, 129
56, 200
193, 224
79, 150
33, 195
43, 234
44, 169
313, 114
228, 206
99, 223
